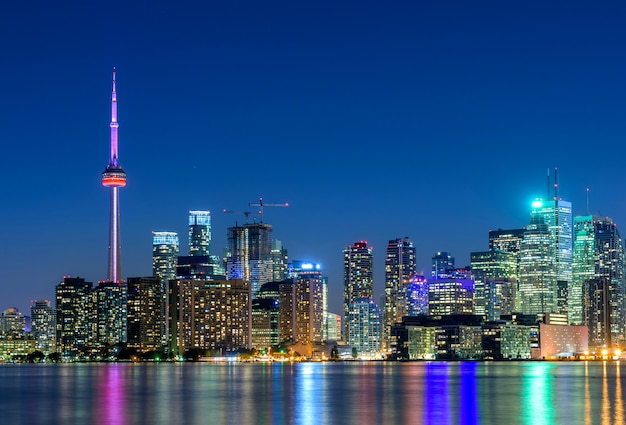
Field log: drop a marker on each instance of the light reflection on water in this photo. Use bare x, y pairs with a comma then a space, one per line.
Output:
314, 393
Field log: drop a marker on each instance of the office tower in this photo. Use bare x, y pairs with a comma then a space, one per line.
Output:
332, 327
164, 255
280, 261
114, 177
309, 307
199, 233
109, 304
365, 327
442, 265
12, 323
72, 315
557, 215
43, 325
448, 296
506, 240
265, 331
210, 315
597, 312
400, 269
537, 288
417, 296
145, 313
583, 265
358, 277
250, 254
495, 276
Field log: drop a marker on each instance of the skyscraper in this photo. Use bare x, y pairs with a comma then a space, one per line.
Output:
537, 273
250, 254
164, 255
365, 321
199, 233
442, 265
583, 265
73, 306
43, 325
358, 276
114, 177
400, 269
146, 324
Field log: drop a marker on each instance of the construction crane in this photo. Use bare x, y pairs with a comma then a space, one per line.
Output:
260, 204
246, 213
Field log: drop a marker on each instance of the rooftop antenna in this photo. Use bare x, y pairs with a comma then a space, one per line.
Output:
548, 181
556, 184
587, 201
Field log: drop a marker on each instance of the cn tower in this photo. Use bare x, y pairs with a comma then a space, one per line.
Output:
114, 177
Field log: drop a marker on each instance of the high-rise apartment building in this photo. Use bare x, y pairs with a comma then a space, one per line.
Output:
12, 323
365, 327
73, 306
43, 325
146, 325
358, 277
164, 255
309, 307
209, 315
448, 296
400, 269
108, 314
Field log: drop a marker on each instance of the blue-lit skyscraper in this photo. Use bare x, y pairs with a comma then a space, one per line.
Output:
199, 233
365, 322
358, 275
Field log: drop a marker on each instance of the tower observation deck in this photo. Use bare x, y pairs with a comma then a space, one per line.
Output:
114, 177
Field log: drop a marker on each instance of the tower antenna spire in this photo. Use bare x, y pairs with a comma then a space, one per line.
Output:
114, 177
556, 184
587, 201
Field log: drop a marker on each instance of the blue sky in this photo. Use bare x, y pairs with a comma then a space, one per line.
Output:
432, 120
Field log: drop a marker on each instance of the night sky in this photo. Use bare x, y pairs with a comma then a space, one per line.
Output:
433, 120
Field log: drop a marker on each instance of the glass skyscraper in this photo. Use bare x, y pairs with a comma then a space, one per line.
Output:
358, 277
164, 255
199, 233
400, 269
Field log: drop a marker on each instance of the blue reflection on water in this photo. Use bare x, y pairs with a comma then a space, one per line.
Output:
313, 393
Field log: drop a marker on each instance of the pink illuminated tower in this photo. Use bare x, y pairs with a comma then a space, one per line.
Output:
114, 177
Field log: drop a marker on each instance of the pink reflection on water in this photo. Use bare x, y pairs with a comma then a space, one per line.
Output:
111, 398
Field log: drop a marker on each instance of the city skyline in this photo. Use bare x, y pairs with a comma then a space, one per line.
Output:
374, 123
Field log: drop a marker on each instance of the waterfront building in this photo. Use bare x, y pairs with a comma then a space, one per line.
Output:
537, 272
365, 327
114, 177
562, 340
200, 233
12, 323
209, 315
309, 315
597, 312
332, 327
109, 314
265, 332
358, 278
73, 304
400, 270
416, 296
442, 265
146, 324
448, 296
164, 255
505, 341
43, 325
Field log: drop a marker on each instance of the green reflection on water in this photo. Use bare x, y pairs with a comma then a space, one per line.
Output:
536, 394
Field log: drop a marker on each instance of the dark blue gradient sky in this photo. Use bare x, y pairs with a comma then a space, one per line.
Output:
432, 120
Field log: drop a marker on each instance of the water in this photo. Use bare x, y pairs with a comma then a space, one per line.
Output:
314, 393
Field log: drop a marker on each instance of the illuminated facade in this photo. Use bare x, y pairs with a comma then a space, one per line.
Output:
164, 255
108, 314
557, 215
43, 325
309, 307
199, 233
114, 177
537, 271
400, 270
417, 296
442, 265
250, 254
583, 265
561, 341
73, 304
358, 277
265, 323
365, 327
145, 318
448, 296
12, 323
495, 277
209, 315
505, 341
280, 261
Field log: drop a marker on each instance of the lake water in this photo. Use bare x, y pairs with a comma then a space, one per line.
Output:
314, 393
